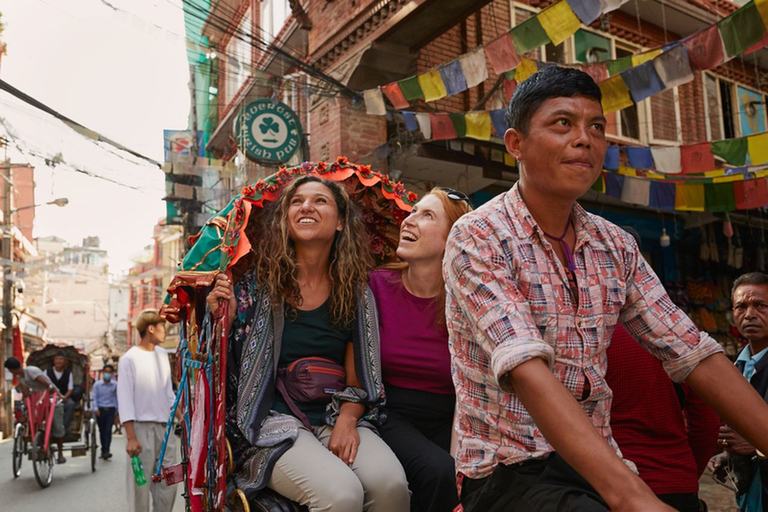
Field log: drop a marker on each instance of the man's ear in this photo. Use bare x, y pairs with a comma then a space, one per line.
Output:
513, 140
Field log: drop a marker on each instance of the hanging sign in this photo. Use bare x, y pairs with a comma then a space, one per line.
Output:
268, 132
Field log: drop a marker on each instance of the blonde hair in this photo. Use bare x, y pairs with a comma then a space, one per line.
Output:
146, 318
275, 259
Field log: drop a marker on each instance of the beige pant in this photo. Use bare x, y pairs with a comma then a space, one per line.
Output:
313, 476
150, 435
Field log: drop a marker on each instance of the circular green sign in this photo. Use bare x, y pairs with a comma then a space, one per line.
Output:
268, 132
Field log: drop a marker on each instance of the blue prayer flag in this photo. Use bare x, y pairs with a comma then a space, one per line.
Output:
453, 78
614, 184
586, 10
499, 123
612, 158
662, 195
640, 157
410, 121
642, 81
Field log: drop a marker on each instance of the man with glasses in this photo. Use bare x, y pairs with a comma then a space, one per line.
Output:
535, 286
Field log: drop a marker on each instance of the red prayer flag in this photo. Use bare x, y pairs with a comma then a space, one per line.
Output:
598, 71
750, 194
502, 54
759, 45
705, 49
509, 88
442, 127
697, 158
395, 95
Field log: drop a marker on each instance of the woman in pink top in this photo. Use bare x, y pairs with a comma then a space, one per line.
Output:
415, 360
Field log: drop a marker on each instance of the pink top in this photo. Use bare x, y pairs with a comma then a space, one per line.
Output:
414, 352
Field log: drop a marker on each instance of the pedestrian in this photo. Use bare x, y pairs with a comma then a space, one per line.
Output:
32, 378
105, 408
535, 287
145, 397
749, 297
415, 361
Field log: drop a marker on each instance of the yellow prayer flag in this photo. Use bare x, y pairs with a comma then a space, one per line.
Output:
762, 8
615, 94
559, 22
478, 125
757, 145
761, 174
728, 179
715, 173
645, 57
689, 197
654, 176
627, 171
526, 68
432, 86
509, 160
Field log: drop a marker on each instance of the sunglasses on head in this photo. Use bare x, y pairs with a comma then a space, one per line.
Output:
455, 194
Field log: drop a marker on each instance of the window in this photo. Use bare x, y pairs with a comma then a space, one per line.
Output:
238, 53
274, 14
630, 116
719, 107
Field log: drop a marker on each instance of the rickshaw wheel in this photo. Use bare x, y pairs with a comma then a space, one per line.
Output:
92, 442
19, 447
238, 502
42, 461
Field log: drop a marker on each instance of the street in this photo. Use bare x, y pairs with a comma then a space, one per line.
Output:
74, 488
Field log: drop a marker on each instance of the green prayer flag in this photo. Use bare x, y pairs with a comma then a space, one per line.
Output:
528, 35
459, 124
741, 30
599, 184
587, 43
718, 197
733, 151
617, 66
411, 88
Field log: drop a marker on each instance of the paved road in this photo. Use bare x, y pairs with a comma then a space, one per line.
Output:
74, 488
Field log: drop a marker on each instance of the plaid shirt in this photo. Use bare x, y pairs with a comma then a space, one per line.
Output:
508, 301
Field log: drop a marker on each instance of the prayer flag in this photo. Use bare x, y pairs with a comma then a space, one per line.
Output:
526, 68
559, 22
509, 160
395, 95
697, 158
614, 183
705, 49
442, 127
615, 94
411, 88
474, 68
762, 9
636, 191
611, 158
640, 157
432, 86
410, 121
733, 151
453, 78
750, 194
662, 195
641, 58
529, 35
741, 30
586, 10
611, 5
759, 45
599, 184
501, 52
374, 102
689, 197
499, 121
718, 197
598, 71
478, 125
425, 125
617, 66
758, 148
509, 87
642, 81
459, 124
627, 171
666, 159
673, 67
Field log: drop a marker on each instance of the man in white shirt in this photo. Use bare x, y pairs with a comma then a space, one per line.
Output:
62, 377
145, 396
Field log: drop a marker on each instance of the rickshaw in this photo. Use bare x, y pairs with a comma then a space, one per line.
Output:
208, 462
34, 418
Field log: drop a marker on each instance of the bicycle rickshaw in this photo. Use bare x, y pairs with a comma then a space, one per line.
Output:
208, 462
32, 431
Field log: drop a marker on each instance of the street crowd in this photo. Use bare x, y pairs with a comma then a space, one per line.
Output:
522, 356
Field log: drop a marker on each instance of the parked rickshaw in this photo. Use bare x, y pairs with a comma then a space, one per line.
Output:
34, 418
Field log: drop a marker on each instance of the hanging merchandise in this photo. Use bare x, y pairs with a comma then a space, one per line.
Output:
704, 248
714, 250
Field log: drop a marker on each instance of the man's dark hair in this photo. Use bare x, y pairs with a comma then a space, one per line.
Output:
110, 367
749, 278
550, 82
12, 363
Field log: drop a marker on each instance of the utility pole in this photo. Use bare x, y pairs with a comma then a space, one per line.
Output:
6, 347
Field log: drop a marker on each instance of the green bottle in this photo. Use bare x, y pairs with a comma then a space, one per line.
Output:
138, 471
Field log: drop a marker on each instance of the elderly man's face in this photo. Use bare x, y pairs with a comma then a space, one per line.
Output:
59, 362
750, 312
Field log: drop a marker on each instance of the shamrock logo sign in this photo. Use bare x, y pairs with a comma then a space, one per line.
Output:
267, 125
268, 132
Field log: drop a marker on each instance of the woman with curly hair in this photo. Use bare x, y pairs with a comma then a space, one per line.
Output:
305, 296
415, 360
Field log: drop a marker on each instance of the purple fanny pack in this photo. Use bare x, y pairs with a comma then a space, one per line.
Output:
310, 380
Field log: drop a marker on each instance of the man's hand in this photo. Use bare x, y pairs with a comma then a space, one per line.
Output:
133, 447
96, 412
717, 461
345, 439
732, 442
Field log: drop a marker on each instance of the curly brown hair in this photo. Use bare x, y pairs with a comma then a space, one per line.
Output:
274, 256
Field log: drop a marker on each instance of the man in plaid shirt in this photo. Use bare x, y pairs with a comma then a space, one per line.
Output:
535, 287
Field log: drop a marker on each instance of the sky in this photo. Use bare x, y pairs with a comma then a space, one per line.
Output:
118, 67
